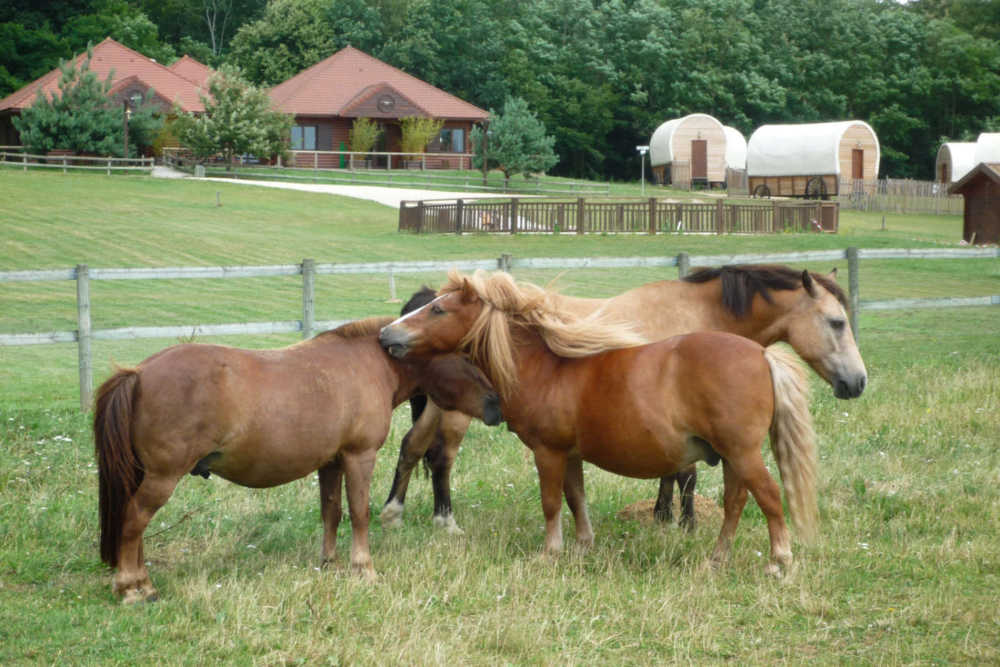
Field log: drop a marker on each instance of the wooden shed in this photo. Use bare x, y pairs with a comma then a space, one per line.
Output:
815, 160
981, 189
954, 160
689, 150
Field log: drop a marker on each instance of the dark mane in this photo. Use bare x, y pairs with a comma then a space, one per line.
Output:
359, 328
740, 283
420, 298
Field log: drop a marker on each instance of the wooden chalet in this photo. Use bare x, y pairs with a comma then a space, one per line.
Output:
132, 74
981, 189
326, 98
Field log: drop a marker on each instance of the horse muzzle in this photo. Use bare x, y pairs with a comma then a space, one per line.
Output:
492, 414
394, 341
851, 387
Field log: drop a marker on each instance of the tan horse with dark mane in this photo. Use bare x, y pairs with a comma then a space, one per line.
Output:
767, 304
579, 389
259, 418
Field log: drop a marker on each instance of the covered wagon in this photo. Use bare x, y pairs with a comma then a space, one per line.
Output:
814, 160
689, 150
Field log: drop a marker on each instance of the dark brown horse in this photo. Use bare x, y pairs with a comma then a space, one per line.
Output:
259, 418
573, 392
767, 304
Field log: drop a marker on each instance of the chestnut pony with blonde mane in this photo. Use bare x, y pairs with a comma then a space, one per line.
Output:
766, 303
579, 389
259, 418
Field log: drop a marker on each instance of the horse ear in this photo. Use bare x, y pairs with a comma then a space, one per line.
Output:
833, 274
807, 282
468, 294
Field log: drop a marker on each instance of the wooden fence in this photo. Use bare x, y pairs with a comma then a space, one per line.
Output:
643, 216
895, 195
75, 162
309, 269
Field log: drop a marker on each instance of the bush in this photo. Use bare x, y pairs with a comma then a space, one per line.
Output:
363, 135
418, 132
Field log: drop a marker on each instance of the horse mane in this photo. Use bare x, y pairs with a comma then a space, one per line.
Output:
358, 328
507, 302
420, 298
740, 283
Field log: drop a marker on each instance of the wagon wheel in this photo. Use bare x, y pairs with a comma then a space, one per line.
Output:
816, 188
762, 191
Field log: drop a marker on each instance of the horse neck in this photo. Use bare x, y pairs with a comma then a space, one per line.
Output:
364, 357
538, 374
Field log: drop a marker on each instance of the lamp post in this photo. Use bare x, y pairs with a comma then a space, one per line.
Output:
642, 166
126, 113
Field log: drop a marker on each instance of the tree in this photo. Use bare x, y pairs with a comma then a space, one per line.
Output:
517, 142
238, 119
418, 131
80, 117
363, 135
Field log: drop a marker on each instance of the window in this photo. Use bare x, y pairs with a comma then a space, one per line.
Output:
452, 140
304, 138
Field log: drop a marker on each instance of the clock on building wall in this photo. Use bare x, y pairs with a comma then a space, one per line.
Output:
386, 103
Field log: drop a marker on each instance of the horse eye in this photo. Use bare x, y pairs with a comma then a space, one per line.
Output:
837, 325
437, 310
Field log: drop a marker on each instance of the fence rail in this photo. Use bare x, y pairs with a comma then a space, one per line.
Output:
309, 269
75, 162
895, 195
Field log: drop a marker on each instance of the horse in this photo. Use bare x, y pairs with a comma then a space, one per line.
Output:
580, 389
766, 303
259, 418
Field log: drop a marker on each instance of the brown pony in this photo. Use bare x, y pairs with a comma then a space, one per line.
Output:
259, 418
577, 389
765, 303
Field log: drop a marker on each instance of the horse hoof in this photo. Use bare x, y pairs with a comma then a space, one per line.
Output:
137, 595
448, 524
392, 514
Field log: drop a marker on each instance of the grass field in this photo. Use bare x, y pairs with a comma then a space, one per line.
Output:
905, 571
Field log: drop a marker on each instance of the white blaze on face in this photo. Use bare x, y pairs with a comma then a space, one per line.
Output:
414, 312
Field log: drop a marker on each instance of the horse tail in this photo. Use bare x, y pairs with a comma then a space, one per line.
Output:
119, 470
793, 440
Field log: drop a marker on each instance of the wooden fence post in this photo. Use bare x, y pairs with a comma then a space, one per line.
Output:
308, 297
652, 215
720, 217
420, 216
513, 215
683, 264
83, 335
579, 216
774, 217
459, 206
853, 282
503, 262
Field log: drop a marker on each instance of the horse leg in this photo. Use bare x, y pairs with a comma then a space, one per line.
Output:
576, 498
441, 458
358, 468
735, 497
755, 476
686, 481
664, 508
415, 444
551, 466
331, 478
132, 581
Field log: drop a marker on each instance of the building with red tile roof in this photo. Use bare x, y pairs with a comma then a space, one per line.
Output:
192, 70
327, 97
132, 74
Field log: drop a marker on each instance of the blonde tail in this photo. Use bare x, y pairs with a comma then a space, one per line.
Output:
793, 440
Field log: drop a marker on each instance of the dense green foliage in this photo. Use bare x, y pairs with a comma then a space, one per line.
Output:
516, 142
600, 74
237, 120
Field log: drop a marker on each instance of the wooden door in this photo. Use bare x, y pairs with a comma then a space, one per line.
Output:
858, 164
699, 159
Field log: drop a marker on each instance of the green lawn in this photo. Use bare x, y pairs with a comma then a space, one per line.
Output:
905, 571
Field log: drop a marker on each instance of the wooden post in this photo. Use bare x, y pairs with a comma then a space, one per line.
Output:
774, 217
720, 217
853, 283
683, 264
109, 165
392, 286
504, 262
420, 216
64, 165
24, 161
579, 216
459, 209
513, 215
83, 335
308, 297
652, 215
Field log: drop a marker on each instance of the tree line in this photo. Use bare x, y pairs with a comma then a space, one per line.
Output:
600, 74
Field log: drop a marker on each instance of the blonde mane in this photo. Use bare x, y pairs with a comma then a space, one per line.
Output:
506, 302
